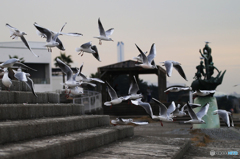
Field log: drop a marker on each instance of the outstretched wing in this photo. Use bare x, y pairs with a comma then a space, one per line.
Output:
152, 53
109, 32
101, 29
203, 111
65, 68
30, 84
111, 92
96, 55
133, 86
180, 71
162, 107
144, 57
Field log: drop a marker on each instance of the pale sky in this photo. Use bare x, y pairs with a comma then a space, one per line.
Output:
178, 28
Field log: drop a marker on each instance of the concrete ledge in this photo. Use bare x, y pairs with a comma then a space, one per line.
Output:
10, 97
63, 146
33, 111
13, 131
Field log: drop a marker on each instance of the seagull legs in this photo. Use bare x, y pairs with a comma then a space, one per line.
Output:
161, 122
100, 42
81, 52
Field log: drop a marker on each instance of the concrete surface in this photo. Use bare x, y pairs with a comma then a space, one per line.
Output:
12, 131
32, 111
63, 146
10, 97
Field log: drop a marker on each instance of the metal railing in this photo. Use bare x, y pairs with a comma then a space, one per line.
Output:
91, 100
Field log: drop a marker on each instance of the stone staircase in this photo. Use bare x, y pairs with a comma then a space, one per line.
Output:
42, 128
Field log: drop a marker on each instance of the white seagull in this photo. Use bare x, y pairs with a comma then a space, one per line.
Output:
196, 118
147, 60
225, 116
104, 35
24, 77
6, 81
88, 80
177, 89
89, 48
121, 121
14, 62
169, 64
113, 95
133, 89
71, 79
178, 112
52, 39
164, 112
139, 57
203, 92
14, 33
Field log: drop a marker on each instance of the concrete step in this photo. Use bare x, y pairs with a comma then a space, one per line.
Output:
10, 97
150, 147
16, 86
67, 145
33, 111
12, 131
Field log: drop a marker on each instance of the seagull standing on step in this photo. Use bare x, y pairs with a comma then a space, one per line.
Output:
89, 48
104, 35
226, 116
196, 118
15, 33
147, 60
6, 81
24, 77
169, 64
114, 97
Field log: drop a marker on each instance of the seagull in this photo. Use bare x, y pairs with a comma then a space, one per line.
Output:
225, 116
14, 62
24, 77
52, 39
121, 121
6, 81
203, 92
89, 48
177, 89
133, 89
104, 35
147, 60
14, 33
177, 112
88, 80
74, 91
71, 79
196, 118
169, 64
113, 95
164, 113
139, 57
192, 105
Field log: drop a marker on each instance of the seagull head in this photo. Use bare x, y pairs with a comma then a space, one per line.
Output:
203, 122
23, 33
110, 39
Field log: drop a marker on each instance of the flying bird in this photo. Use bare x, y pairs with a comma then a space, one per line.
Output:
203, 92
14, 62
14, 33
114, 97
196, 118
147, 60
178, 112
88, 80
177, 89
133, 90
169, 64
89, 48
226, 116
104, 35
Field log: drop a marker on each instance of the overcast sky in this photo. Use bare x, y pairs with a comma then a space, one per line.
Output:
178, 28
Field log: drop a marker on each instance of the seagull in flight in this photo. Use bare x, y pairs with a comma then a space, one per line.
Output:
177, 89
147, 60
14, 62
203, 92
164, 112
169, 64
196, 118
89, 48
113, 95
15, 33
133, 89
225, 115
104, 35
